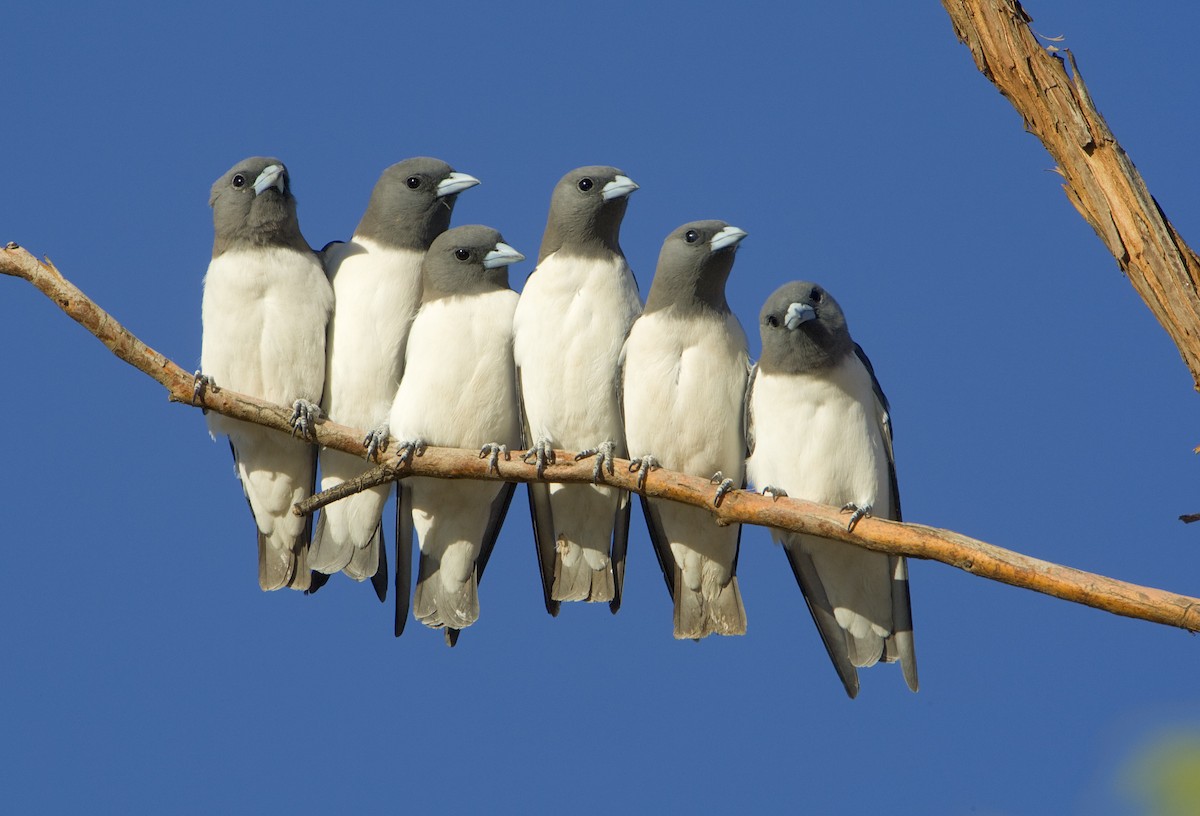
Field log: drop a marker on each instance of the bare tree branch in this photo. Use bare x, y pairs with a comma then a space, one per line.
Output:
1100, 179
914, 540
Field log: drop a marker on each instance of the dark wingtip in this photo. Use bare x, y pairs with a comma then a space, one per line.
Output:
614, 606
451, 637
552, 607
318, 580
380, 579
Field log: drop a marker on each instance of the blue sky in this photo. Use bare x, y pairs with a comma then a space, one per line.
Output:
1037, 405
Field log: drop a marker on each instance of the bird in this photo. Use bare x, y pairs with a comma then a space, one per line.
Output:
574, 313
458, 390
376, 278
685, 366
265, 308
819, 428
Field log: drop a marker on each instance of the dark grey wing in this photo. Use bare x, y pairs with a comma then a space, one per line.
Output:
662, 546
542, 516
832, 635
492, 531
620, 545
899, 646
404, 537
380, 579
748, 414
620, 539
884, 412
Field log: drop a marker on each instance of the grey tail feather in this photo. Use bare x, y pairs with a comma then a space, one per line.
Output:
404, 536
436, 606
697, 616
832, 635
619, 547
291, 571
582, 583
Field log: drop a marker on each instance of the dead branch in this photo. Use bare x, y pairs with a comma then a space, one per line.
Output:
1100, 179
914, 540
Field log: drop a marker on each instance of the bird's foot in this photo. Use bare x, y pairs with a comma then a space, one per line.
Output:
376, 441
406, 450
304, 418
542, 453
643, 466
493, 451
723, 487
200, 384
776, 493
604, 457
857, 514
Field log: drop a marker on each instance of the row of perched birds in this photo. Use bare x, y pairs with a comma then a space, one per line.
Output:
410, 329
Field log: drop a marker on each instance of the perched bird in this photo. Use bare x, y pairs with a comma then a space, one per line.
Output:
458, 390
685, 370
376, 280
571, 321
818, 429
266, 305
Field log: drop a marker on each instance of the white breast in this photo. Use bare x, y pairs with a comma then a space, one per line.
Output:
377, 291
819, 437
570, 324
265, 314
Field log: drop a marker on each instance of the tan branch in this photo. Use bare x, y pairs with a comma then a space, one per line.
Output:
1100, 180
915, 540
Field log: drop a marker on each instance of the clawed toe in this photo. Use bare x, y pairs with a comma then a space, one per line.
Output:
541, 453
776, 493
604, 457
493, 451
723, 487
200, 384
376, 442
304, 418
857, 514
405, 451
641, 467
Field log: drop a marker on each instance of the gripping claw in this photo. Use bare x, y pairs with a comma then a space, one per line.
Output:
405, 451
304, 418
604, 456
200, 384
493, 451
643, 466
723, 487
858, 513
376, 441
542, 453
776, 493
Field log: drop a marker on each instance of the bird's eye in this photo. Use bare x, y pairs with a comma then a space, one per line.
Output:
239, 180
815, 297
773, 321
692, 236
462, 254
586, 184
413, 182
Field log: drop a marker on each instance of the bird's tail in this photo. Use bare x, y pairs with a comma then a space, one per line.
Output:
438, 603
283, 562
714, 608
575, 577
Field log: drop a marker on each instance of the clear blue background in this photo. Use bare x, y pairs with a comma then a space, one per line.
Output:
1038, 406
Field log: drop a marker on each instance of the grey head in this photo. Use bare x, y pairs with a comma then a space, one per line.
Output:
693, 266
467, 260
253, 207
412, 203
586, 210
803, 329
